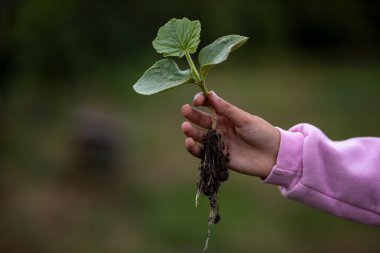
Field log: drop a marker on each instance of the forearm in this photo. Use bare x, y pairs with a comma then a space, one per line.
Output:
342, 178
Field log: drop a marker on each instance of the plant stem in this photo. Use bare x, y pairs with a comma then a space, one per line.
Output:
192, 66
203, 87
198, 80
205, 91
201, 83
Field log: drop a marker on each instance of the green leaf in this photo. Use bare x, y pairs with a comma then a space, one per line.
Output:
163, 75
178, 36
218, 51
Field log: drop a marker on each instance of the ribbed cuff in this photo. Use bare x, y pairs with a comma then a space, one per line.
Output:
288, 168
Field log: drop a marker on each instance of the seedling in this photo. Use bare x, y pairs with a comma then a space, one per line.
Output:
178, 38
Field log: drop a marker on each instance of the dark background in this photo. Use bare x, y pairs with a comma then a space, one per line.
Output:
87, 165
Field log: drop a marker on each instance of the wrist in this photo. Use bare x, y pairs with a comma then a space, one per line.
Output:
272, 153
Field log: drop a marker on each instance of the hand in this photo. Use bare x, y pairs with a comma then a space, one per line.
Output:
252, 142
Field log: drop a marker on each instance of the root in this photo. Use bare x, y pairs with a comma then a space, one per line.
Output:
213, 171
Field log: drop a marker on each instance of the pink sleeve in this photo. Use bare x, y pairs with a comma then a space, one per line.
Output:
339, 177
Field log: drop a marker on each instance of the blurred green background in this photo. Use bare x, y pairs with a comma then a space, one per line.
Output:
87, 165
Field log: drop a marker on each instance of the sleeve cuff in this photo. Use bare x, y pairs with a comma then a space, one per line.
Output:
288, 168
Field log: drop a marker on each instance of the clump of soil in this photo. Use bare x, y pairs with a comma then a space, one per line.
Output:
213, 171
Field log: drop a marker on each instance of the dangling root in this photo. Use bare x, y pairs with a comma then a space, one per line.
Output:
212, 171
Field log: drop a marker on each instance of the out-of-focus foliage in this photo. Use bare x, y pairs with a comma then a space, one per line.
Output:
87, 165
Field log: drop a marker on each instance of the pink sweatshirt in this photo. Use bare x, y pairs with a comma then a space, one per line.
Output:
339, 177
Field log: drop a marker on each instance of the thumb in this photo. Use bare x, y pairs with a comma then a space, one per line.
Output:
231, 112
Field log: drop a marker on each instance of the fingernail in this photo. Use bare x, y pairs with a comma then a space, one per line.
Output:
197, 96
197, 99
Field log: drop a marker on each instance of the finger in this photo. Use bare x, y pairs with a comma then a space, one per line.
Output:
196, 116
231, 112
193, 147
199, 99
191, 131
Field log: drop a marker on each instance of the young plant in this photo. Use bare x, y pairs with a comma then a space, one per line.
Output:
178, 38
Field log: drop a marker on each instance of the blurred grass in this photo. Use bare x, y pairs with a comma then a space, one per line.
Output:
150, 207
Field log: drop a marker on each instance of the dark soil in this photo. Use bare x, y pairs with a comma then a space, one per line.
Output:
213, 171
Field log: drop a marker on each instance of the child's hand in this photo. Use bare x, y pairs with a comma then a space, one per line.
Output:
252, 142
